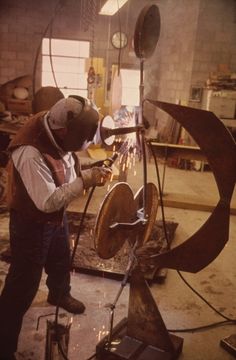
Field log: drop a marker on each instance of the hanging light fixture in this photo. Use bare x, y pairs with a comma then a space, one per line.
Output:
110, 7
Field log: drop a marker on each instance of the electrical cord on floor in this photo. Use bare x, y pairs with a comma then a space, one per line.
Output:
107, 163
204, 327
59, 6
228, 321
81, 225
71, 265
203, 299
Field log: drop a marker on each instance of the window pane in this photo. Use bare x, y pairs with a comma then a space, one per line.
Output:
66, 47
130, 97
69, 65
130, 87
61, 64
130, 78
47, 79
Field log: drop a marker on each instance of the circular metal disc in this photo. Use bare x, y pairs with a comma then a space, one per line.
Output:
147, 31
151, 210
118, 206
107, 122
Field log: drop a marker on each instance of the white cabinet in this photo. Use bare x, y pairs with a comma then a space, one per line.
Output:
221, 103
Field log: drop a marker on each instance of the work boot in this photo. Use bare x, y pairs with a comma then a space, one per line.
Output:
68, 303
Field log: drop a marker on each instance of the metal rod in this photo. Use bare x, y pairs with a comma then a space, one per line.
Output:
143, 146
107, 132
123, 284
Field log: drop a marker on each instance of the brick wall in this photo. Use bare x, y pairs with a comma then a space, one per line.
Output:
196, 36
23, 23
215, 39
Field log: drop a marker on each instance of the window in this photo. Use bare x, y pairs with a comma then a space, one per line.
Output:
130, 87
69, 65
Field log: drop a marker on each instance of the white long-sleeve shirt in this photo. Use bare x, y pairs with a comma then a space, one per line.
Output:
38, 180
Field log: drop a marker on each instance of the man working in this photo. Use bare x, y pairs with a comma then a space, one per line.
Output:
44, 178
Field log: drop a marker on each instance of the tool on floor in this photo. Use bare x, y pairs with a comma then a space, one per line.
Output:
57, 340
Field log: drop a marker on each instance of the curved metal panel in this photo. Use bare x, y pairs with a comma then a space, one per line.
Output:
202, 247
219, 147
213, 138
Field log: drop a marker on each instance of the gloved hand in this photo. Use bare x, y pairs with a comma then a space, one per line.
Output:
97, 163
96, 176
89, 164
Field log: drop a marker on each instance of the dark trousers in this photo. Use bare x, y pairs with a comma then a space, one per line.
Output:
34, 247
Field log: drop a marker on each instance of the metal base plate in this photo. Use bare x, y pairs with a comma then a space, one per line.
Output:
124, 347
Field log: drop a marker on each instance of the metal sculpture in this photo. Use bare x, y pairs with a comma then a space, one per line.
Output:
143, 335
219, 147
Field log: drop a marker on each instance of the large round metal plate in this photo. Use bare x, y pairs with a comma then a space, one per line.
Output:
117, 207
107, 122
147, 31
151, 210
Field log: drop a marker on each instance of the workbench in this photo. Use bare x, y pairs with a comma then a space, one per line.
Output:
176, 150
187, 152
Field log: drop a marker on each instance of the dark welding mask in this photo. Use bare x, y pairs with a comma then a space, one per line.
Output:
79, 119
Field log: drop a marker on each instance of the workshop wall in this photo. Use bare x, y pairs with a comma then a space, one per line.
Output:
215, 46
196, 36
23, 24
170, 69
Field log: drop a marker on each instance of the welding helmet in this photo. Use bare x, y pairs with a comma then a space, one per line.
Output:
79, 119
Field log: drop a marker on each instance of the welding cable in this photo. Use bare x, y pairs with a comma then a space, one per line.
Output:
204, 327
227, 319
107, 162
71, 265
59, 6
203, 299
50, 56
81, 225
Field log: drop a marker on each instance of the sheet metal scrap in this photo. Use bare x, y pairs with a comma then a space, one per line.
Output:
218, 145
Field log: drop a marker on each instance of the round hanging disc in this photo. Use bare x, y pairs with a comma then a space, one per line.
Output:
107, 122
117, 207
151, 210
147, 31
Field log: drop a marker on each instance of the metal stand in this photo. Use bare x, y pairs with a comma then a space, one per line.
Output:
143, 335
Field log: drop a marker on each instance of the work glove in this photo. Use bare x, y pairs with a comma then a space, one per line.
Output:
96, 176
90, 164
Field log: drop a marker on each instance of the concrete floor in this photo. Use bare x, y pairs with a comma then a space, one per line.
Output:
179, 306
